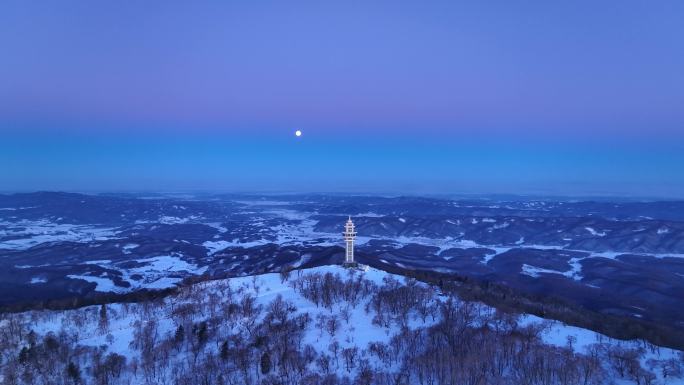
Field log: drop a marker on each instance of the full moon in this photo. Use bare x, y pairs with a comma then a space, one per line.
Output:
298, 133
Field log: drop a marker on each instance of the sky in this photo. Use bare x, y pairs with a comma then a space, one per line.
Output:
415, 97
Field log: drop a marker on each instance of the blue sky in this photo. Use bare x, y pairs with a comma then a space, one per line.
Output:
321, 163
573, 98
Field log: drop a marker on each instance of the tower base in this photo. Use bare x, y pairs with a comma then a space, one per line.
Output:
355, 266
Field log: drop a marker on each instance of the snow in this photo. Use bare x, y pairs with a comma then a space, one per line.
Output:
30, 266
102, 284
163, 283
606, 254
367, 215
216, 246
271, 286
98, 262
302, 260
154, 272
299, 228
218, 227
442, 243
163, 263
170, 220
573, 273
576, 271
363, 329
17, 208
30, 233
359, 331
489, 257
614, 254
263, 202
292, 215
534, 271
127, 248
557, 334
595, 233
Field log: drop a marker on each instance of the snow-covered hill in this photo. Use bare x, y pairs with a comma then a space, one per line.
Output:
321, 325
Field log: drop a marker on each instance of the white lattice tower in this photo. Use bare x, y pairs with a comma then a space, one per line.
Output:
349, 236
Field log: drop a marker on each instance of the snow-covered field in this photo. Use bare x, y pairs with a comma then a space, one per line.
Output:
24, 234
154, 272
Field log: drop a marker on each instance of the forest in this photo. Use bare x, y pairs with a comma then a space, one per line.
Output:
325, 325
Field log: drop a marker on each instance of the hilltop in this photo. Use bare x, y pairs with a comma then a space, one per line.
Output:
324, 325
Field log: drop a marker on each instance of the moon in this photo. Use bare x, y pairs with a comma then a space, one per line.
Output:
298, 133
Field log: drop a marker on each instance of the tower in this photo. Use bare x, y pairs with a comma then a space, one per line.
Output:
349, 236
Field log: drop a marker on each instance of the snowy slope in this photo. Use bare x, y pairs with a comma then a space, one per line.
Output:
125, 322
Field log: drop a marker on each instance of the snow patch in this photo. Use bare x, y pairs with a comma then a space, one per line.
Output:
126, 249
501, 226
663, 230
573, 273
216, 246
28, 233
102, 284
595, 233
164, 263
169, 220
218, 227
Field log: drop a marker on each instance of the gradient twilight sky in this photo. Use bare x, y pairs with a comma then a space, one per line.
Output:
544, 97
